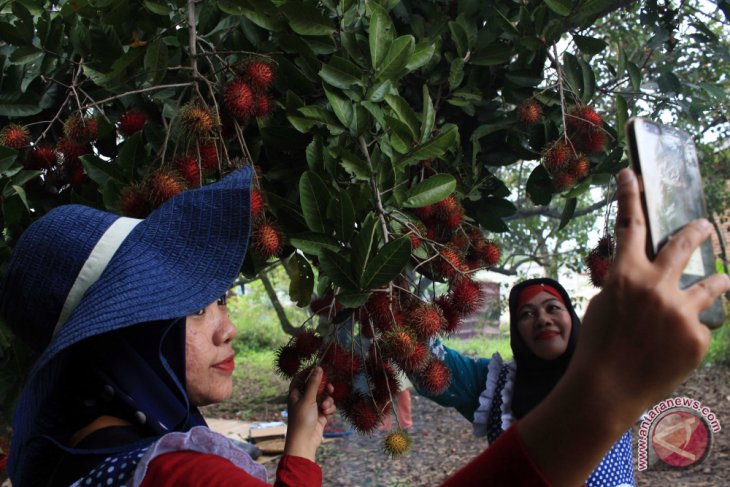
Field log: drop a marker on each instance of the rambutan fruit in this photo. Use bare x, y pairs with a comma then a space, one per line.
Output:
325, 305
260, 73
424, 212
76, 174
466, 295
490, 253
581, 119
342, 388
579, 168
163, 185
288, 361
453, 221
208, 156
41, 157
448, 263
459, 241
593, 141
70, 150
363, 413
257, 204
435, 377
447, 207
342, 361
606, 247
79, 129
528, 112
307, 343
197, 120
14, 136
134, 203
188, 168
378, 306
396, 443
415, 240
415, 361
598, 267
131, 122
239, 99
563, 181
426, 320
261, 105
398, 342
267, 241
557, 157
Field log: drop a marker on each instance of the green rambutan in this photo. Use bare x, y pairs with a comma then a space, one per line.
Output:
396, 443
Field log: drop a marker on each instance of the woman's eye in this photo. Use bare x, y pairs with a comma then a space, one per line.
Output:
200, 312
222, 300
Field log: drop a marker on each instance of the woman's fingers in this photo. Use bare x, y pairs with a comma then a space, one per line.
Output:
708, 290
630, 222
676, 253
315, 377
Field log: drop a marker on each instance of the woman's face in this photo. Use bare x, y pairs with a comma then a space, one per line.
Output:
545, 324
209, 354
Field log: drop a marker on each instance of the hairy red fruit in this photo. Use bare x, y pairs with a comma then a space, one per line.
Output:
208, 156
606, 247
415, 240
81, 130
197, 120
557, 157
397, 443
580, 167
260, 73
41, 157
435, 377
378, 306
398, 342
447, 207
267, 241
325, 305
426, 320
134, 202
257, 204
239, 99
342, 361
528, 112
131, 122
15, 136
364, 415
71, 150
76, 174
448, 263
188, 168
466, 295
598, 267
563, 181
490, 253
424, 212
288, 361
262, 105
163, 186
416, 360
453, 221
593, 141
342, 388
459, 241
307, 344
451, 314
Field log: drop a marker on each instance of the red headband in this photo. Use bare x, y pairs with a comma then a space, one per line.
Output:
531, 291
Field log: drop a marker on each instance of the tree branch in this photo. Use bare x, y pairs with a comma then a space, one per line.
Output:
548, 212
280, 313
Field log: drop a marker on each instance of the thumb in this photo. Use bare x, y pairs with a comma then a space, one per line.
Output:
310, 392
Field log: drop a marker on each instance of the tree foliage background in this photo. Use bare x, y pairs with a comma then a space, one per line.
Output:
376, 111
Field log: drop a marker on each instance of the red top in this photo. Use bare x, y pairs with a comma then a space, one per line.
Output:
192, 469
505, 462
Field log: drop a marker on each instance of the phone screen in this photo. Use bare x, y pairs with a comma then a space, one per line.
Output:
666, 160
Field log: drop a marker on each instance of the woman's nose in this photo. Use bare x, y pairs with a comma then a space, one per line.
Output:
226, 330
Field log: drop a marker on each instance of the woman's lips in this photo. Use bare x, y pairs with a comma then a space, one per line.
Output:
546, 335
226, 365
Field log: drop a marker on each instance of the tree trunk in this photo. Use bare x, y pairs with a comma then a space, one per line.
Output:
285, 323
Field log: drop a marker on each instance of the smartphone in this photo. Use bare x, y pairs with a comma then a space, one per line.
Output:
665, 160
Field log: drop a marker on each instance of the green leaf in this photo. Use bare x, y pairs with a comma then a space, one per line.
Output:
307, 20
669, 83
387, 264
589, 45
7, 158
353, 164
589, 80
456, 73
430, 191
364, 244
301, 282
539, 186
17, 105
132, 155
381, 33
404, 112
352, 300
313, 243
422, 54
342, 214
428, 115
155, 60
396, 59
459, 38
157, 8
341, 106
314, 196
321, 115
568, 212
25, 55
434, 148
337, 268
572, 72
376, 93
560, 7
622, 114
634, 76
493, 54
101, 171
341, 73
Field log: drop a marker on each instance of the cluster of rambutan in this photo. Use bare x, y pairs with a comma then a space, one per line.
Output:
566, 159
599, 260
246, 96
267, 240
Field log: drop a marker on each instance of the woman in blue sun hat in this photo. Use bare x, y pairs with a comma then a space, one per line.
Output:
133, 336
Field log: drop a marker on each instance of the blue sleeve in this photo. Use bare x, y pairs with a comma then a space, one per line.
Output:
468, 380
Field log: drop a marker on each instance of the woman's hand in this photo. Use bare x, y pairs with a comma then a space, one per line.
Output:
308, 415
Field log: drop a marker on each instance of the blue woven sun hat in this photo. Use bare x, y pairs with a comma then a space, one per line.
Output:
179, 259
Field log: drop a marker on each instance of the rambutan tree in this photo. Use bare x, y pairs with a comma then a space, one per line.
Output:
377, 131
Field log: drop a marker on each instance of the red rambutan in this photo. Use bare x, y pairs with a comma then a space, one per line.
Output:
580, 167
133, 202
593, 141
448, 263
453, 221
466, 295
342, 388
131, 122
15, 136
262, 105
557, 157
424, 212
415, 240
416, 360
288, 361
41, 157
71, 150
398, 342
563, 181
188, 168
260, 73
606, 247
528, 112
239, 99
307, 344
267, 241
197, 120
581, 119
76, 174
81, 130
363, 414
164, 185
378, 306
447, 207
426, 320
598, 267
257, 204
208, 156
341, 361
435, 377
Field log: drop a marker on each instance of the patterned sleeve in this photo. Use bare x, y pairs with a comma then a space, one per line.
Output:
468, 377
617, 467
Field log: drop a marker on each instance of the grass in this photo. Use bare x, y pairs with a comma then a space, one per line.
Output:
481, 347
719, 351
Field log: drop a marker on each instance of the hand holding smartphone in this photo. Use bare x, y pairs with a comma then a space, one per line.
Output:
665, 160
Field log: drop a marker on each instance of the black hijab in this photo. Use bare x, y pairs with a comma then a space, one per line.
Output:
536, 377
